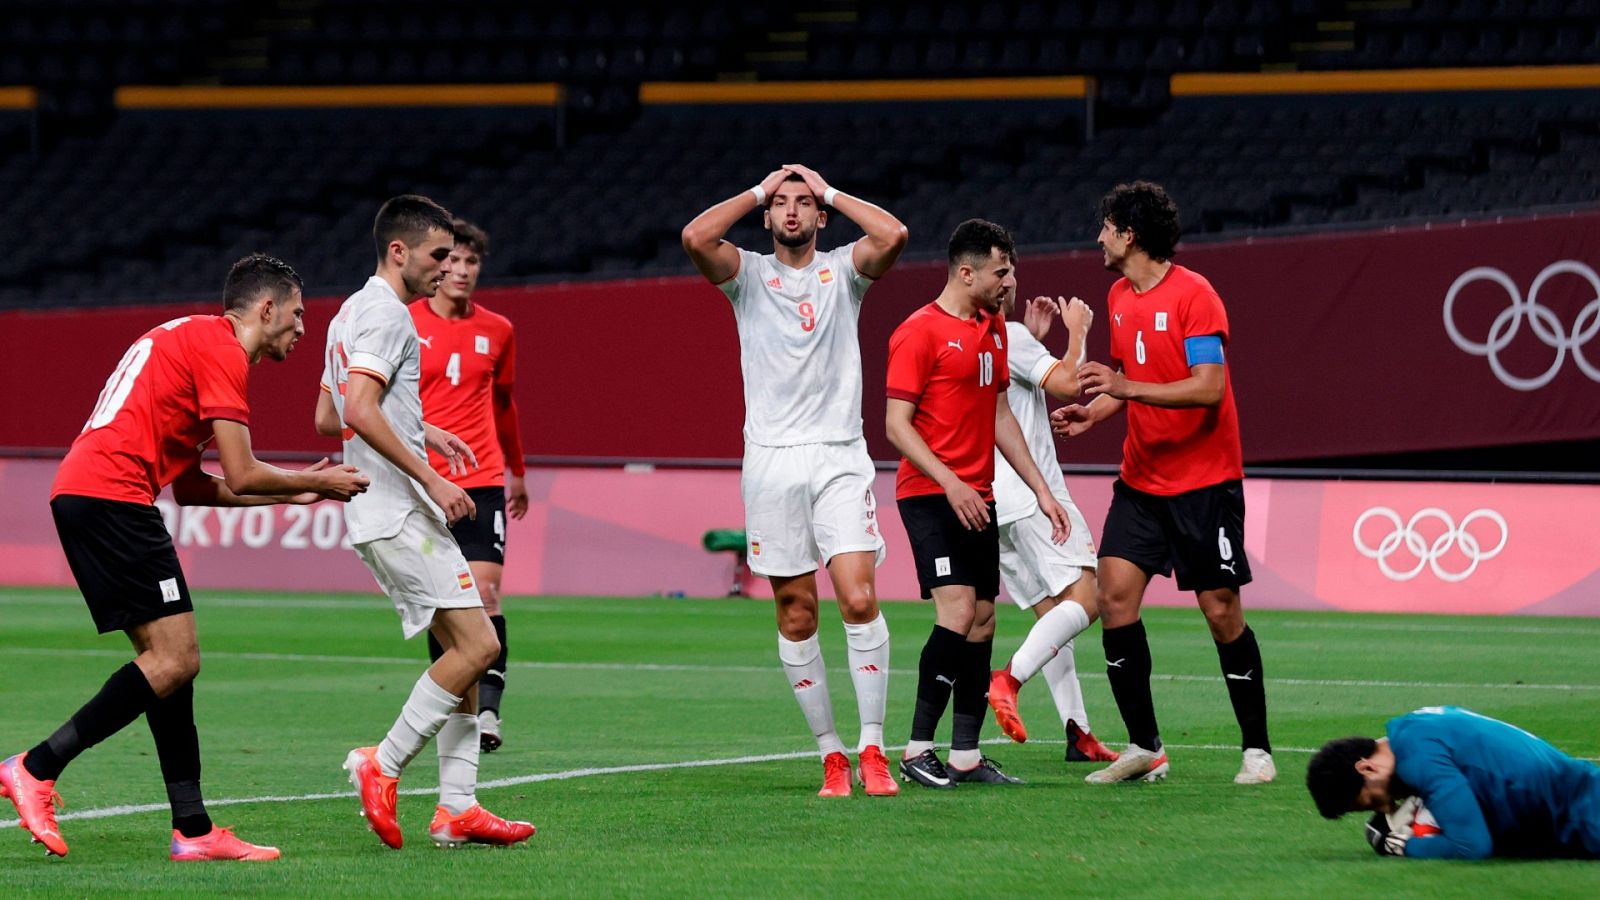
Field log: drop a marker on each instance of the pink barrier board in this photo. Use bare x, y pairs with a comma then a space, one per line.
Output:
1349, 545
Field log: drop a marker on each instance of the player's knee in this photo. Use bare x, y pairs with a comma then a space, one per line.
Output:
859, 604
981, 631
958, 620
797, 622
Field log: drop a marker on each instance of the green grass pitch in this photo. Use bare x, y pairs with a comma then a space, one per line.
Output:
611, 701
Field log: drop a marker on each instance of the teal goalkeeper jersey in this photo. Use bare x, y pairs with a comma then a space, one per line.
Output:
1493, 788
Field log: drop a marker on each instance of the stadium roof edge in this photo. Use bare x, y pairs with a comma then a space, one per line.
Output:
198, 97
1201, 84
1049, 87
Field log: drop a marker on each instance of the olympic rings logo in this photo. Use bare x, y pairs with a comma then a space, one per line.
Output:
1428, 554
1546, 326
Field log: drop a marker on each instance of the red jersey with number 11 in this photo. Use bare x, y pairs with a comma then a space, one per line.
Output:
156, 409
1172, 451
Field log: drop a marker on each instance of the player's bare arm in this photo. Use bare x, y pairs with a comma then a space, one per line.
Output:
507, 429
454, 450
967, 503
1077, 418
1205, 386
1062, 381
197, 487
886, 236
717, 259
245, 476
363, 416
327, 416
1014, 447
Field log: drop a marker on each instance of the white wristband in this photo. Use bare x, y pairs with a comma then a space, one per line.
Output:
828, 195
760, 195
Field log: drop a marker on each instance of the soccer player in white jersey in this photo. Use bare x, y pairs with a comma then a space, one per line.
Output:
370, 396
807, 479
1056, 581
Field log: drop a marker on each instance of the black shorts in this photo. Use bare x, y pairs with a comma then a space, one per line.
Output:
484, 539
1199, 533
947, 552
123, 559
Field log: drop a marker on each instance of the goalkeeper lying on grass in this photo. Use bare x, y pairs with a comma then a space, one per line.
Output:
1491, 788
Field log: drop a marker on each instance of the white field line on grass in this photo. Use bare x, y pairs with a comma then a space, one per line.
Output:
106, 812
1498, 625
767, 670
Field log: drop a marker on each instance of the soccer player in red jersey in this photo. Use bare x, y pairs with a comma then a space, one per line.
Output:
469, 363
947, 413
1179, 503
178, 387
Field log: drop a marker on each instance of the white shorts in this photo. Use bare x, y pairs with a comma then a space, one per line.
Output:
808, 502
1033, 566
421, 569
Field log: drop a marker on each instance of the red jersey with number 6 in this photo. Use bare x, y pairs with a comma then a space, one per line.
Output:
953, 370
1172, 451
156, 409
464, 362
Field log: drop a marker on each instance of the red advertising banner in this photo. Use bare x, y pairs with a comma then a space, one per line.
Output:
1360, 546
1476, 334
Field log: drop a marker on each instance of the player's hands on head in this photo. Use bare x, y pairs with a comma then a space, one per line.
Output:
814, 181
517, 497
1060, 525
1071, 420
452, 499
1099, 378
1037, 315
969, 506
1385, 840
1076, 313
769, 184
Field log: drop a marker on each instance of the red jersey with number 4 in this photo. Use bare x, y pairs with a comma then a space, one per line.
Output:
156, 409
953, 370
1171, 451
463, 362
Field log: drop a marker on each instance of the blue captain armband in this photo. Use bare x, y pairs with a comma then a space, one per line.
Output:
1203, 350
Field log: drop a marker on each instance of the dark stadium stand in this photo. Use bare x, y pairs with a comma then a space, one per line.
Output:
602, 182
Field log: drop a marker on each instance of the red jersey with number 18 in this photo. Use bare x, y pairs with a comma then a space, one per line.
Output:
1172, 451
953, 370
156, 409
464, 361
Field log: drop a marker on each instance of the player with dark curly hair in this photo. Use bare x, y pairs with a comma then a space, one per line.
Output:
1179, 503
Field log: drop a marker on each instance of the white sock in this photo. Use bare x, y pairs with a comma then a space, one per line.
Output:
965, 759
915, 749
1061, 674
802, 663
869, 669
458, 763
1048, 635
420, 719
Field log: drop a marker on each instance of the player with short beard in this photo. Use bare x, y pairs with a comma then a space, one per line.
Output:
178, 388
807, 478
370, 396
1178, 503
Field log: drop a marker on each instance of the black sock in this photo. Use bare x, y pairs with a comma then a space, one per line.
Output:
1241, 669
435, 649
124, 697
178, 747
936, 675
493, 683
1128, 668
971, 704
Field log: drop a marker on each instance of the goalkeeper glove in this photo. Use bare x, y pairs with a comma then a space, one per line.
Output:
1383, 839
